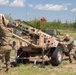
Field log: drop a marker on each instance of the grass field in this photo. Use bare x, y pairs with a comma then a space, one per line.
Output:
72, 33
65, 68
30, 69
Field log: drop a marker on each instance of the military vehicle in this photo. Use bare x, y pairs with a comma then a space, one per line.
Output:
38, 43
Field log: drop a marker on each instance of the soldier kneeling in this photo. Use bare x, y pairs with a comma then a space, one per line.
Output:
68, 44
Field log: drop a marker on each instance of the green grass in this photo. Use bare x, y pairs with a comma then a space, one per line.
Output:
30, 69
72, 33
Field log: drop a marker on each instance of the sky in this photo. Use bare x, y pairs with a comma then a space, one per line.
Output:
63, 10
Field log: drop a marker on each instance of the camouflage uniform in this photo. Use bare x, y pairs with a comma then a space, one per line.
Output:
68, 47
5, 47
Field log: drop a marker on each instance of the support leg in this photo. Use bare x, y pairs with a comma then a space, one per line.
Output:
43, 58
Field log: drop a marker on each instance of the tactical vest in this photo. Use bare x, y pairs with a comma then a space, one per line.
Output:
1, 28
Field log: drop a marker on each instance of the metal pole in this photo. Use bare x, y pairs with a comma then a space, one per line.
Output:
43, 58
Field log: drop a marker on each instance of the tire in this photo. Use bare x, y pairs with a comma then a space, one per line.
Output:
57, 56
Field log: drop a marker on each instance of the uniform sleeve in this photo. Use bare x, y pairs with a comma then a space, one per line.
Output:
5, 21
70, 41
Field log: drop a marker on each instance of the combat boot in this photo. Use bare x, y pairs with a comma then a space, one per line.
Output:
7, 66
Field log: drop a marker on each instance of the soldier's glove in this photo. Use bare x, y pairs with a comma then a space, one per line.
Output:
62, 43
1, 55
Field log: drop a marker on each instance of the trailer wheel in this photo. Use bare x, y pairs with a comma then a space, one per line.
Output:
57, 56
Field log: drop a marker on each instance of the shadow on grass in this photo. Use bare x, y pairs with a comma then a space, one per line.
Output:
26, 61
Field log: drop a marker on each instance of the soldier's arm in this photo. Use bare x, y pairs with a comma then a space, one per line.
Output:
3, 21
69, 42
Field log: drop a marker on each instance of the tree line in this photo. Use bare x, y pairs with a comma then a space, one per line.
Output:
56, 24
52, 25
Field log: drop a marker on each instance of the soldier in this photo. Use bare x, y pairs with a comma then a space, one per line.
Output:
5, 48
68, 46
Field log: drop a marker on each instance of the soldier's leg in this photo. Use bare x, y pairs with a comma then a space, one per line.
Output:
0, 65
69, 54
70, 58
7, 60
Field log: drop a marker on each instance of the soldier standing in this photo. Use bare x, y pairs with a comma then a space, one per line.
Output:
5, 48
